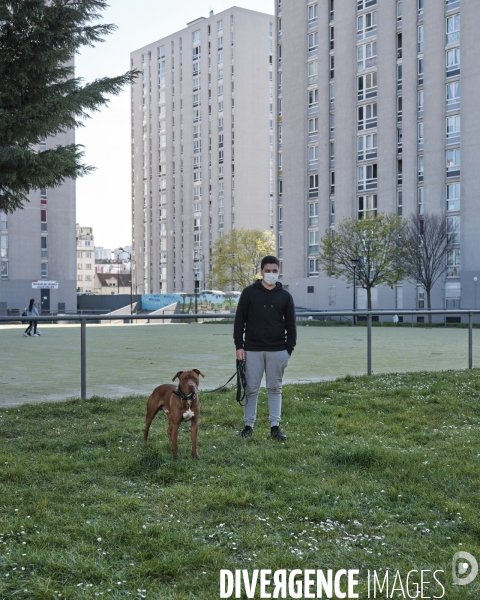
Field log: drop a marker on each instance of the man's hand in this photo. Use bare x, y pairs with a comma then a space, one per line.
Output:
241, 354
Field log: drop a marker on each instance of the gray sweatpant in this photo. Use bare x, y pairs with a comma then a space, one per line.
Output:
273, 364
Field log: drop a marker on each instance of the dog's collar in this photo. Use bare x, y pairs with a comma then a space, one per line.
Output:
183, 396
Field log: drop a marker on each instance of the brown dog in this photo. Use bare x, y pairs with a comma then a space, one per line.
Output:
179, 404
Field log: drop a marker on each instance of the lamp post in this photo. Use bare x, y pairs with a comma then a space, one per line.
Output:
195, 289
117, 255
354, 262
475, 279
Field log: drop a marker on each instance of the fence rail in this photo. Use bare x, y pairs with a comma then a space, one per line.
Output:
83, 319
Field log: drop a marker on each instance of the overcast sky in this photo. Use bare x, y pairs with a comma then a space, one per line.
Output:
103, 198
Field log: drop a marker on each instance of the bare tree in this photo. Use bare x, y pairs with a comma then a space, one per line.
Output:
370, 247
424, 250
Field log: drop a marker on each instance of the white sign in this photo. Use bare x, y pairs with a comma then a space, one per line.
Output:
45, 285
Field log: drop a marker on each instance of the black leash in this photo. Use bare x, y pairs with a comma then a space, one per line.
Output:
241, 383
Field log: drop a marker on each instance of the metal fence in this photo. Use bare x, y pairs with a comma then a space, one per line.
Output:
326, 316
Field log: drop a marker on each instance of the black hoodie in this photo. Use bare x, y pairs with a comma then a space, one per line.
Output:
267, 317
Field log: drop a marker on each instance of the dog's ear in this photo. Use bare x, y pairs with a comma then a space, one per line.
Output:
198, 372
177, 375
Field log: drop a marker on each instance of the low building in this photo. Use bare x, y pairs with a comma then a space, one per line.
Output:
111, 283
85, 259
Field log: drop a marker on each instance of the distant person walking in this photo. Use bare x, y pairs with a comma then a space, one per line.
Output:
31, 311
265, 317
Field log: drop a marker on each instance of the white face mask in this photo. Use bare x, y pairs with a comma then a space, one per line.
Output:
270, 278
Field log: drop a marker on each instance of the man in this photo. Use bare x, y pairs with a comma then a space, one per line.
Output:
266, 315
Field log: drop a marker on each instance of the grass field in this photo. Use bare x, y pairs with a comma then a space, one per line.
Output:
124, 360
377, 473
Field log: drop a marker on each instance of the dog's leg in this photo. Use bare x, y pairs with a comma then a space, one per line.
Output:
174, 438
152, 410
194, 433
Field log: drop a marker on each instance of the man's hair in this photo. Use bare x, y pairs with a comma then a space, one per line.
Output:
269, 260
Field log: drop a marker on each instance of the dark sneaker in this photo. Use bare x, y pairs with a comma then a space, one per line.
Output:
277, 434
247, 431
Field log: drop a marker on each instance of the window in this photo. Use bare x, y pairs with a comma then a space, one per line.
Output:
453, 29
312, 12
453, 94
399, 203
453, 262
313, 72
220, 43
313, 266
312, 98
220, 90
43, 221
453, 162
367, 146
420, 168
220, 58
361, 4
420, 39
313, 186
367, 56
332, 38
399, 140
367, 207
399, 45
420, 7
367, 177
332, 95
43, 246
312, 155
399, 171
220, 26
420, 71
196, 36
399, 77
332, 182
366, 25
220, 106
367, 86
161, 52
313, 214
220, 156
453, 230
313, 242
313, 41
421, 130
3, 221
196, 84
197, 146
367, 116
4, 246
453, 196
453, 62
453, 129
196, 53
332, 124
420, 200
399, 12
312, 126
332, 66
420, 102
197, 133
196, 68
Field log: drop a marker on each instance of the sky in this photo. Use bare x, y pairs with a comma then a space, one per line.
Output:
104, 197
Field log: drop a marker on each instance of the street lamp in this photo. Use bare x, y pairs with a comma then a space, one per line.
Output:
195, 288
475, 279
117, 255
354, 262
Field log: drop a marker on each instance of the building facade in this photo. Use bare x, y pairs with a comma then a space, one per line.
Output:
202, 145
38, 244
375, 105
85, 260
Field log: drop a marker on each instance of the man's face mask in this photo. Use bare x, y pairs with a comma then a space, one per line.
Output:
270, 278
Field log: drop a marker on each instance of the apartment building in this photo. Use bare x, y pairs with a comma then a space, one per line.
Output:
37, 247
376, 102
85, 259
202, 145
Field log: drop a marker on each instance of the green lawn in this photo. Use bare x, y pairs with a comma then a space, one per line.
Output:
124, 360
377, 473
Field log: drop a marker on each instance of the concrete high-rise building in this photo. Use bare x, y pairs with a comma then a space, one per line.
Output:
85, 259
38, 245
370, 101
202, 145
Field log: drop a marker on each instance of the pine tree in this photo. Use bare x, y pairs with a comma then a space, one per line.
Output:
39, 94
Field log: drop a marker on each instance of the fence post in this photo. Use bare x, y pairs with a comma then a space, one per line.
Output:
369, 344
470, 340
83, 359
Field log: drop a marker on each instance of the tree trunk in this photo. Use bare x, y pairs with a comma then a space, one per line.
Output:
369, 298
429, 306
